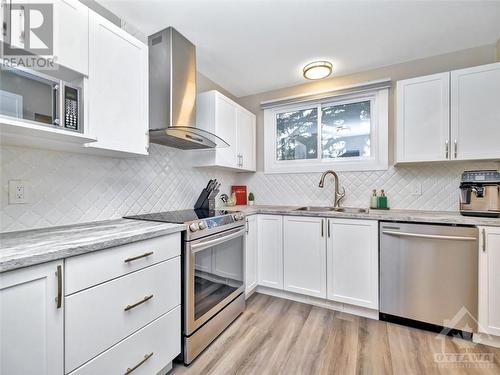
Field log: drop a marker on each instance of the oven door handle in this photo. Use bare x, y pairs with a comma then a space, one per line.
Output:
204, 244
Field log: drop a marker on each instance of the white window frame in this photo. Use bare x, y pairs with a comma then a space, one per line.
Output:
379, 142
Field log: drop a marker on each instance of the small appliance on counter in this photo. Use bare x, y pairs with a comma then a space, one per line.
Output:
480, 193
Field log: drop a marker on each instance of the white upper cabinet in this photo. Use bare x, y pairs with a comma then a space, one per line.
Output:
475, 112
234, 124
427, 132
251, 255
352, 258
245, 122
304, 255
423, 122
71, 35
31, 321
270, 251
489, 280
117, 89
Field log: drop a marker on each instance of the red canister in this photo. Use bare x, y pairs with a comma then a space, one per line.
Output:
241, 194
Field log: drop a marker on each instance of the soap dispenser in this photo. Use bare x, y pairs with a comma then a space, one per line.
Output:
382, 200
374, 199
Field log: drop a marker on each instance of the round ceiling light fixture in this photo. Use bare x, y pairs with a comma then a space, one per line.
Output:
317, 70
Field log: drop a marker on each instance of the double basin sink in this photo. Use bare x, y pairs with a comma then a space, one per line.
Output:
352, 210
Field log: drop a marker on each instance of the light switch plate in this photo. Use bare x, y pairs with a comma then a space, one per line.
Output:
18, 191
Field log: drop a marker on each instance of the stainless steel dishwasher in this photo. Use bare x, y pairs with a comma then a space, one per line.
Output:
428, 274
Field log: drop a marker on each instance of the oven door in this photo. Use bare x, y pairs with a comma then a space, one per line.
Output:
213, 274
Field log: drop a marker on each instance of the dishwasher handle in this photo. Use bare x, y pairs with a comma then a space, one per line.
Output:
430, 236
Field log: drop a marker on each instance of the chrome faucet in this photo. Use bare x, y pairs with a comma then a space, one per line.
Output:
338, 195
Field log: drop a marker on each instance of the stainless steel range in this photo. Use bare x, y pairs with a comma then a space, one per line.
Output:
213, 273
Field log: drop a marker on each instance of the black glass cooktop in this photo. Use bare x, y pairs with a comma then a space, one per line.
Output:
179, 217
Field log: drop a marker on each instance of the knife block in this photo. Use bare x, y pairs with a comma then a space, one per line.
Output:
204, 202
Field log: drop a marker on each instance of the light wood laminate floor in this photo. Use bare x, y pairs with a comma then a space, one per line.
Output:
277, 336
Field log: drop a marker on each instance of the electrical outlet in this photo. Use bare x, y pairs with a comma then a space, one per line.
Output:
416, 188
18, 191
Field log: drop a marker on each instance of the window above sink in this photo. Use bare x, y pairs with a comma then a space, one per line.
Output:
343, 132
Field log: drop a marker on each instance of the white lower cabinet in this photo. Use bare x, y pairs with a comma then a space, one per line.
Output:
270, 251
145, 352
251, 255
99, 317
31, 321
304, 259
489, 280
352, 262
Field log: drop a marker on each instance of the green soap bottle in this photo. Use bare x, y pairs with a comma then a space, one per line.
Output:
382, 200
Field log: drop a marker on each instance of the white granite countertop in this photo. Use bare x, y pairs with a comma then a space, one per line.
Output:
27, 248
417, 216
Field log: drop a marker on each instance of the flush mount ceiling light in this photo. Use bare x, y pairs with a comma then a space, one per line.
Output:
317, 70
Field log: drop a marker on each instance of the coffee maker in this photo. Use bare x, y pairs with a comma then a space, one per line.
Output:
480, 193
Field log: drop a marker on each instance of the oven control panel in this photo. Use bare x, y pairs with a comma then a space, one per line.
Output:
216, 222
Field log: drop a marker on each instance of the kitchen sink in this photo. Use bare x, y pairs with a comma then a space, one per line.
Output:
353, 210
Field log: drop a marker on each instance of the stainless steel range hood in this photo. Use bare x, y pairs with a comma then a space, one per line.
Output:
172, 93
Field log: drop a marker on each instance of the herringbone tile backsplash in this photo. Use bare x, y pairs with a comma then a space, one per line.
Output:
68, 188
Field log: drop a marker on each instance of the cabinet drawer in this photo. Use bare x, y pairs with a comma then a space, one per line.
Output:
99, 317
91, 269
161, 337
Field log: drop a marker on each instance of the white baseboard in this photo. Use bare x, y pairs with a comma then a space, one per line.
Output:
332, 305
248, 293
485, 339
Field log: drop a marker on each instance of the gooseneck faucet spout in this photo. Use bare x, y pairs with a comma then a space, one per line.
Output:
338, 196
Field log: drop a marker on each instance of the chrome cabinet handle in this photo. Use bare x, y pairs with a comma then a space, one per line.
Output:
130, 307
455, 145
131, 369
22, 33
328, 227
247, 227
59, 287
447, 149
322, 227
484, 239
131, 259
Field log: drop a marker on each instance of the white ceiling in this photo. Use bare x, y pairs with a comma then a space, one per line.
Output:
254, 46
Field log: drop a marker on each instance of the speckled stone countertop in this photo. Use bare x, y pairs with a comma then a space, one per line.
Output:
27, 248
431, 217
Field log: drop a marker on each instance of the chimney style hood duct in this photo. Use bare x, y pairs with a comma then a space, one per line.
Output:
172, 93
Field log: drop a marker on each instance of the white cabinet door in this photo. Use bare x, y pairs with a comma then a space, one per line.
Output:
226, 128
246, 139
304, 255
423, 124
71, 35
475, 112
489, 280
117, 89
352, 262
270, 253
251, 255
31, 324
